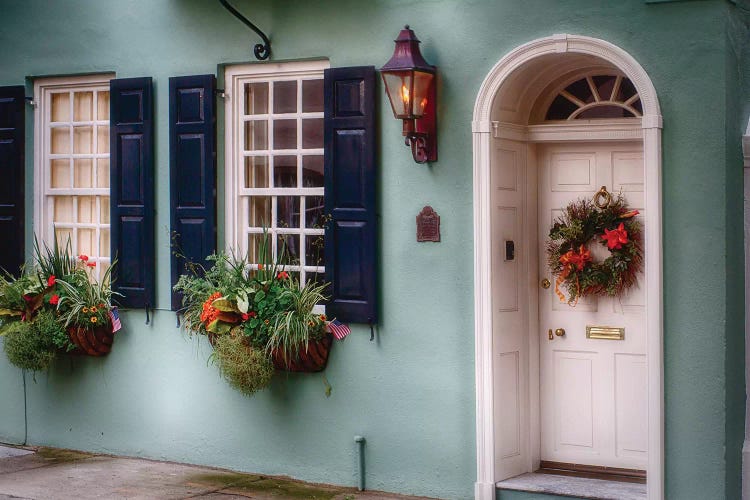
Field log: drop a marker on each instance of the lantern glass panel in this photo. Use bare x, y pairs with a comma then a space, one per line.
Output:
399, 89
422, 82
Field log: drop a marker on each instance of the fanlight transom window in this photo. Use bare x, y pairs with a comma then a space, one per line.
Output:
599, 96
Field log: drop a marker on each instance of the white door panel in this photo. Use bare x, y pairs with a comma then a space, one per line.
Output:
510, 311
593, 393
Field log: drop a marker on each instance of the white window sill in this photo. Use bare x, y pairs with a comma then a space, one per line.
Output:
577, 487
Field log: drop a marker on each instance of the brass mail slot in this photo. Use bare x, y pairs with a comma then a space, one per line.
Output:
605, 332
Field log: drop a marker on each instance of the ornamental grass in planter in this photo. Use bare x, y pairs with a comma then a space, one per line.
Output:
55, 306
258, 318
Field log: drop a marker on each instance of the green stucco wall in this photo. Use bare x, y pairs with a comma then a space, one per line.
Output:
410, 393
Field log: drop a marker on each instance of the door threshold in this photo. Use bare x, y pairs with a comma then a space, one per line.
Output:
593, 472
554, 483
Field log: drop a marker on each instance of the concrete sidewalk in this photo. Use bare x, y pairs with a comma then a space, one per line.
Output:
49, 473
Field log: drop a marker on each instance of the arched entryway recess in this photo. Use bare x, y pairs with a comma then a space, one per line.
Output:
508, 107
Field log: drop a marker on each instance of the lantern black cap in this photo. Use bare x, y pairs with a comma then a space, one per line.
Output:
407, 55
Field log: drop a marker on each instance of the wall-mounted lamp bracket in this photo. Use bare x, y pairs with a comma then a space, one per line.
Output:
262, 51
423, 140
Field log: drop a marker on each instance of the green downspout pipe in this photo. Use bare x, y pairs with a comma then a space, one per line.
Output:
361, 449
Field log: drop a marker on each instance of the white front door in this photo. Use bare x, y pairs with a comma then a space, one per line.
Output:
593, 392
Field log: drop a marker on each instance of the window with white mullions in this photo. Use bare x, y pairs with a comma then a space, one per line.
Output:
276, 151
72, 171
596, 96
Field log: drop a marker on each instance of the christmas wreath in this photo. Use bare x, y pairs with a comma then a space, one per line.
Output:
601, 220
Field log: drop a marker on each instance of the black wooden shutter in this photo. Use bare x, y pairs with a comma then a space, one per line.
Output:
350, 241
132, 190
192, 167
12, 131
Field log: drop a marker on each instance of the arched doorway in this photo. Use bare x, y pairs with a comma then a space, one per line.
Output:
512, 126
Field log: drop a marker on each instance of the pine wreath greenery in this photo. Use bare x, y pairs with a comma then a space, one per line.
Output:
569, 257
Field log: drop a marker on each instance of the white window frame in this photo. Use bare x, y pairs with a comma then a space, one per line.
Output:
236, 195
43, 210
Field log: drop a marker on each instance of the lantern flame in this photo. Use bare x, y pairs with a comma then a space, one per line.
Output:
405, 95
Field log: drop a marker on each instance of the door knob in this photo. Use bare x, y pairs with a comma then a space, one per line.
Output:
546, 283
559, 332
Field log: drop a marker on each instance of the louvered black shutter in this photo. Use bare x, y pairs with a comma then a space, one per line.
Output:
350, 240
132, 190
192, 166
12, 175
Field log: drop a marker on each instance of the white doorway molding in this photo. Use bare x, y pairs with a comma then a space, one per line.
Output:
489, 107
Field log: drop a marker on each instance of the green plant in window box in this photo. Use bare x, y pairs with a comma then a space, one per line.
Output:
55, 306
255, 316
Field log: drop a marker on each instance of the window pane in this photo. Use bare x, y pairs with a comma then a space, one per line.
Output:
86, 209
256, 135
256, 254
581, 90
604, 85
260, 211
314, 250
83, 140
312, 133
256, 98
103, 244
312, 171
627, 90
314, 211
285, 171
60, 173
60, 140
102, 173
63, 235
560, 109
312, 96
285, 134
285, 97
83, 169
104, 210
103, 266
83, 103
102, 105
287, 248
63, 209
287, 211
256, 172
102, 139
605, 112
60, 111
86, 242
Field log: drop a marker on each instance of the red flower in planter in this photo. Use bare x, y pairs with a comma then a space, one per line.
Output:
91, 264
83, 257
282, 275
54, 299
51, 280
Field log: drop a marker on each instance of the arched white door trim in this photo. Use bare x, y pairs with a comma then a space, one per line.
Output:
481, 132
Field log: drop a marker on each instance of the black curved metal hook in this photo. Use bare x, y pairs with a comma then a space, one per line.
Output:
262, 51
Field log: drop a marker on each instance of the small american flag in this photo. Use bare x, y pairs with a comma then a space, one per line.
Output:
338, 329
114, 316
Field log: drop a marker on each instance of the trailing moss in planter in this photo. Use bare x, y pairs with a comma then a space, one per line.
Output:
32, 345
246, 369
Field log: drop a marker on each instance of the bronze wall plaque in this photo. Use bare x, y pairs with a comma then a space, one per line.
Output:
428, 225
605, 332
